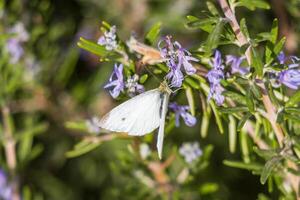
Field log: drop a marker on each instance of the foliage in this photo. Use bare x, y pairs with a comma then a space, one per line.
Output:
243, 93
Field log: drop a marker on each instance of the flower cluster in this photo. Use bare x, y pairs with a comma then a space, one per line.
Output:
214, 76
181, 111
5, 187
289, 77
132, 85
109, 39
176, 58
190, 151
93, 125
14, 44
117, 84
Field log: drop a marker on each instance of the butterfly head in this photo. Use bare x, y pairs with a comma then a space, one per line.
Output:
164, 87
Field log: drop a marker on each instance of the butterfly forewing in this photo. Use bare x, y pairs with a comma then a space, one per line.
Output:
137, 116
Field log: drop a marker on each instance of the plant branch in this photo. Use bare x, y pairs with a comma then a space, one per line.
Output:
270, 108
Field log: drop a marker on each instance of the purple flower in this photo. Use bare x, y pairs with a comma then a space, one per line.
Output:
117, 84
181, 111
235, 64
215, 92
5, 187
290, 78
109, 39
214, 76
190, 151
14, 44
176, 58
132, 85
283, 59
15, 50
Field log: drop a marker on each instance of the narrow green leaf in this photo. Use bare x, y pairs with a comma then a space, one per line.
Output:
78, 126
106, 25
242, 165
206, 24
280, 116
244, 28
190, 98
243, 121
153, 33
92, 47
213, 38
279, 46
292, 110
270, 185
205, 122
273, 39
212, 8
206, 111
269, 168
253, 4
208, 188
82, 150
274, 31
192, 18
217, 116
250, 101
143, 78
238, 109
235, 96
256, 62
194, 84
232, 134
265, 153
256, 91
272, 96
294, 99
293, 117
244, 146
207, 152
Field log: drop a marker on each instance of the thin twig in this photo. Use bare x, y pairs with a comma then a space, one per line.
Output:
10, 152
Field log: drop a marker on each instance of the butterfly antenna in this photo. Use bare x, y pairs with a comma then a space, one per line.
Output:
150, 72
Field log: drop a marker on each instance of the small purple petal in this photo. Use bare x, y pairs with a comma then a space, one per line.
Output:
109, 39
290, 78
214, 76
133, 87
281, 57
15, 50
235, 64
118, 83
181, 111
5, 187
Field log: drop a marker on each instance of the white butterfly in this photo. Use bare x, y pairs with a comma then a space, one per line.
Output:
141, 115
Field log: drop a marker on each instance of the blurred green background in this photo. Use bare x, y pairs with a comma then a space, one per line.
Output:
67, 83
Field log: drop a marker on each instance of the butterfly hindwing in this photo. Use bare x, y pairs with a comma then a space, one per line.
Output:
137, 116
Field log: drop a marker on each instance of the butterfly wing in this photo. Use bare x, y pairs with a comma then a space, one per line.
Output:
160, 136
137, 116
